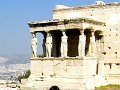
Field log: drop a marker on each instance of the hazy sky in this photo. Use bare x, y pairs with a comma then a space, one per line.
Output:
15, 37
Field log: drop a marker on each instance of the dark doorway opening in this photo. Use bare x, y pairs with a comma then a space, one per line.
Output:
54, 88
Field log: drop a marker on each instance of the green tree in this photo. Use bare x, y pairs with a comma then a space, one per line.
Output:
24, 76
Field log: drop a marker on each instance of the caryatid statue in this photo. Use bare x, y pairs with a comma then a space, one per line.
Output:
92, 44
82, 43
34, 45
64, 45
48, 45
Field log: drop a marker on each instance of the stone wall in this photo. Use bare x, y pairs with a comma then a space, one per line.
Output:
63, 67
66, 73
110, 14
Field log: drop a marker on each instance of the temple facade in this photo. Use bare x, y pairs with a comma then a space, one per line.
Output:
80, 48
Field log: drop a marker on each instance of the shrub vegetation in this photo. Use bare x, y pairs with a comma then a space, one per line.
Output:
25, 76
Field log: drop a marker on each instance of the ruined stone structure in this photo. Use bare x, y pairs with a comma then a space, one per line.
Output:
81, 48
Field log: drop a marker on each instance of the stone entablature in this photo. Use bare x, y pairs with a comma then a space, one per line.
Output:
78, 23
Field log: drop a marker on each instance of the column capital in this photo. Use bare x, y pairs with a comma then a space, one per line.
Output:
92, 33
92, 30
63, 30
33, 35
33, 32
47, 31
101, 33
81, 31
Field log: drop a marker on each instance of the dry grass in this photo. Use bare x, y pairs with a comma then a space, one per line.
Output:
109, 87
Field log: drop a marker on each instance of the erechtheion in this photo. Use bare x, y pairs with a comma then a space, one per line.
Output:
80, 48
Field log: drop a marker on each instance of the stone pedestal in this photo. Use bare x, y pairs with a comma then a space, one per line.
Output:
66, 73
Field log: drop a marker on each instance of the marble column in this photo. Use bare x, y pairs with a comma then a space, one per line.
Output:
81, 44
34, 45
92, 44
101, 67
64, 45
48, 44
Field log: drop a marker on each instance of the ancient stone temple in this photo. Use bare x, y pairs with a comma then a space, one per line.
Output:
80, 48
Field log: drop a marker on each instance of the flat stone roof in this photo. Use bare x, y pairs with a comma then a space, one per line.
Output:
88, 6
65, 21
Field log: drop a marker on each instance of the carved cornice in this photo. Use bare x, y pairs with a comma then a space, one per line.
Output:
77, 23
64, 22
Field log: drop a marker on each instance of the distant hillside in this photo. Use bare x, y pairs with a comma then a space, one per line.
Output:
13, 65
14, 59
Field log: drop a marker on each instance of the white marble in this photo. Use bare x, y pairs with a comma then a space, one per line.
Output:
48, 45
64, 45
34, 45
81, 46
